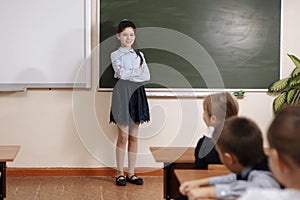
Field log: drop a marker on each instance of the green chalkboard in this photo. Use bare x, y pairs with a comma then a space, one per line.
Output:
240, 38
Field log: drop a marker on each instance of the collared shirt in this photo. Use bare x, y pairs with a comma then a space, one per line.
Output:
270, 194
210, 131
131, 68
228, 187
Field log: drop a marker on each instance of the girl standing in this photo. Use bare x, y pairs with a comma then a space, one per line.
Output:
129, 101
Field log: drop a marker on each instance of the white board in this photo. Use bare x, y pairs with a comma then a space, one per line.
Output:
44, 43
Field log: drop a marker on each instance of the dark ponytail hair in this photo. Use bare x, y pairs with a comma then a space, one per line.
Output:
125, 23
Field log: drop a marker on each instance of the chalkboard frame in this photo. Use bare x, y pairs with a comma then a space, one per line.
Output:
174, 91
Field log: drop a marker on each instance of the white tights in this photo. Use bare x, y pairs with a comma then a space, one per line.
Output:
127, 133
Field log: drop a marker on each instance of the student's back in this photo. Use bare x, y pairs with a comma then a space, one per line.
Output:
216, 108
284, 156
205, 153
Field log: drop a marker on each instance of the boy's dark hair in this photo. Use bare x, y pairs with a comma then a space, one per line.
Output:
241, 137
125, 23
284, 133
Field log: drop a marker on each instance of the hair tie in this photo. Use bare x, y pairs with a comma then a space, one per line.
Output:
125, 20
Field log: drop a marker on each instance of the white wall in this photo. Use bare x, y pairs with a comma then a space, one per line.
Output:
65, 128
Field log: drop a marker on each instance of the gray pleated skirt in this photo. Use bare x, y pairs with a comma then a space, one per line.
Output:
129, 103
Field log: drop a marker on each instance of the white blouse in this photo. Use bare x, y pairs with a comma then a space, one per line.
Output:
131, 69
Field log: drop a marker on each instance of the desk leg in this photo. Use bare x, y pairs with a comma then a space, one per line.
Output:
167, 168
3, 180
171, 184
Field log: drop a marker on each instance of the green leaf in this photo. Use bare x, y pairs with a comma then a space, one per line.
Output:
292, 94
294, 81
295, 72
279, 101
295, 60
239, 93
279, 85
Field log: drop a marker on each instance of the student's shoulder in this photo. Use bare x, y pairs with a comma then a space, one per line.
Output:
200, 141
251, 194
116, 52
260, 173
270, 194
263, 179
202, 138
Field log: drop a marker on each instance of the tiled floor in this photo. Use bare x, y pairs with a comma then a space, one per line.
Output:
81, 188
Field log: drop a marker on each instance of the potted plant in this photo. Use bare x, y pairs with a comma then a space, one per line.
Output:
287, 89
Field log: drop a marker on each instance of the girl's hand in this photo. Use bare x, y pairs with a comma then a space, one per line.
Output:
120, 66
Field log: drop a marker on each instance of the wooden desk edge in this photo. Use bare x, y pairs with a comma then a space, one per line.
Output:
155, 148
14, 148
182, 154
194, 174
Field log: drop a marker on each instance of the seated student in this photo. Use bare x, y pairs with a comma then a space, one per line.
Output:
284, 157
216, 108
240, 147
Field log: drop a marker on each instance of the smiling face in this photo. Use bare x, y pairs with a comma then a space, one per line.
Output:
127, 37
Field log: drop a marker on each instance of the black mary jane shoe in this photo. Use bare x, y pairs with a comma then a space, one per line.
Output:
120, 180
135, 180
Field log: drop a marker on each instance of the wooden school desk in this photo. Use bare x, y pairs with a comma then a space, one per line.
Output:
194, 174
7, 154
173, 158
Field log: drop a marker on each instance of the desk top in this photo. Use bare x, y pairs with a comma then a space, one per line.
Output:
8, 153
173, 154
194, 174
176, 154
